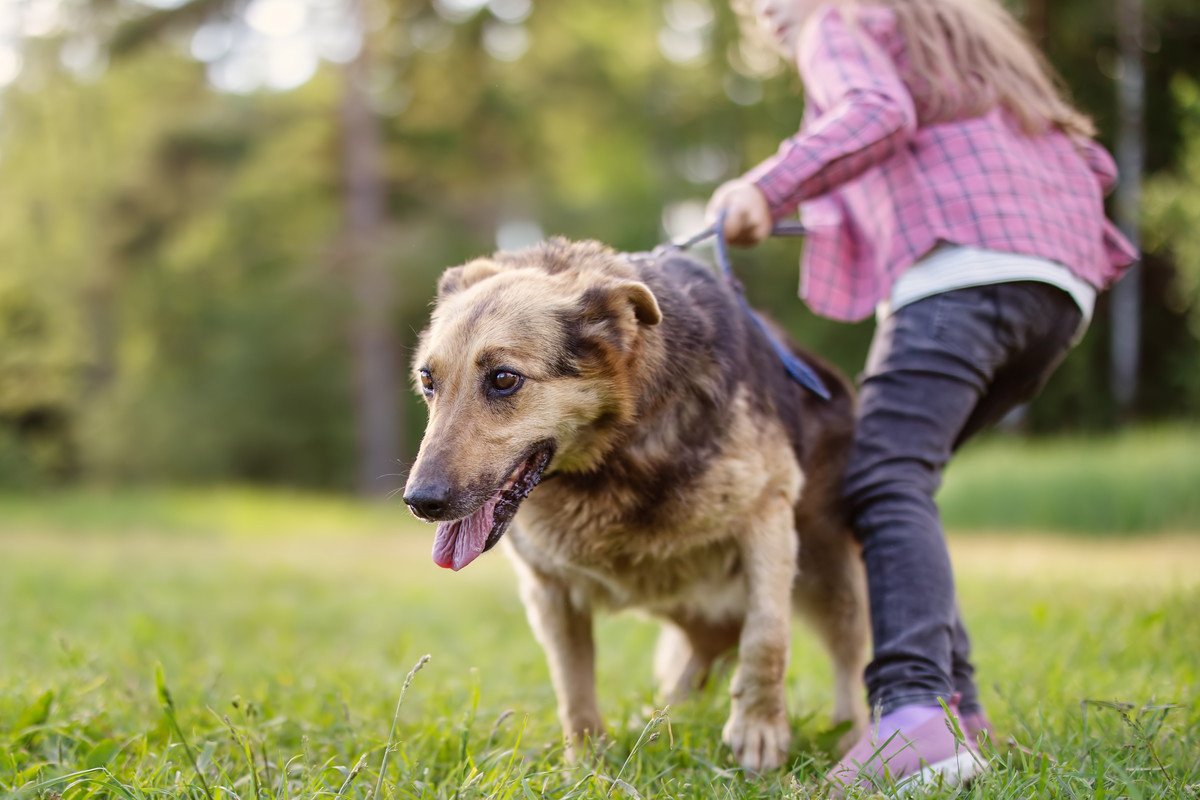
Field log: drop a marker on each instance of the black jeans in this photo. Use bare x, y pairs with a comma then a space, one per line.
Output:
939, 370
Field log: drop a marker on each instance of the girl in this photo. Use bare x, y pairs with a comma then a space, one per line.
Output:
949, 187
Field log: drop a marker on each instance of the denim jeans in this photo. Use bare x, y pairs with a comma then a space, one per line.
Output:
939, 370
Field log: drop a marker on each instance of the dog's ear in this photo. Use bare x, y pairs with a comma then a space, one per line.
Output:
456, 279
645, 304
615, 299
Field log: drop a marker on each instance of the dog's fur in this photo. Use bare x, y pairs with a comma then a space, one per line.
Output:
690, 476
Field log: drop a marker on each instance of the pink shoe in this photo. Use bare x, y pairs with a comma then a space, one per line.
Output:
977, 728
908, 748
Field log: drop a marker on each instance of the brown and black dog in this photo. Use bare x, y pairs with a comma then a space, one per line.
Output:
681, 472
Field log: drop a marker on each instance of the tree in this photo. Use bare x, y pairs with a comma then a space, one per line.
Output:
201, 277
1131, 148
372, 341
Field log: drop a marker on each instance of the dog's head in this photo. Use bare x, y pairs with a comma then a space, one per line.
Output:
526, 366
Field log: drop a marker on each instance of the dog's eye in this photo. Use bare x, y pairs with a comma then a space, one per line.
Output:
504, 382
426, 382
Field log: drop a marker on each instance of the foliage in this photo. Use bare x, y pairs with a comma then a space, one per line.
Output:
175, 303
1173, 206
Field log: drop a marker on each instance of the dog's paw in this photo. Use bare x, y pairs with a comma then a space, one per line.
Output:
759, 742
856, 729
586, 741
586, 750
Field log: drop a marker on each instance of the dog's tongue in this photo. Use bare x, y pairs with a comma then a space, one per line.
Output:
460, 542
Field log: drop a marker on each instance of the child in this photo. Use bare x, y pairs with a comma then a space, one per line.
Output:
950, 188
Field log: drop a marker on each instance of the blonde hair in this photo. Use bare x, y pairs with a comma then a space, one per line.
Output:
969, 56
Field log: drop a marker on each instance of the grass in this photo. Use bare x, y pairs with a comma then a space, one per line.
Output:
234, 644
1139, 480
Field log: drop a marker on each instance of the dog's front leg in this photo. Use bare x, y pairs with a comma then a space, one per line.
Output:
564, 629
758, 729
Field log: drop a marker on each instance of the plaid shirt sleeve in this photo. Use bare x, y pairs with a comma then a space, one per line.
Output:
1101, 164
867, 114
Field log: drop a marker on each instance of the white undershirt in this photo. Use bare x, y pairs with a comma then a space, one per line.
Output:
953, 266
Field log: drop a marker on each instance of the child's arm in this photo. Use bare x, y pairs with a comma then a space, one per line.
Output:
867, 115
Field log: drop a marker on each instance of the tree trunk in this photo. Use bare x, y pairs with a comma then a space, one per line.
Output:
1127, 294
373, 342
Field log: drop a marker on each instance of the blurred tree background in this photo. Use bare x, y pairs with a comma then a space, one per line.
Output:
223, 219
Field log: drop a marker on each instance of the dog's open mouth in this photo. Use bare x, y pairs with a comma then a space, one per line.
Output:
461, 541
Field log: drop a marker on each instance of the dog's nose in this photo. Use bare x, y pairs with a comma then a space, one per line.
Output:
428, 500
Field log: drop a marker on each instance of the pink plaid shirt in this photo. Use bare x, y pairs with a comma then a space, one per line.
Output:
878, 192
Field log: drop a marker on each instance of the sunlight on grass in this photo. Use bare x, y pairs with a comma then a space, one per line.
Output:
297, 648
1140, 480
228, 511
282, 627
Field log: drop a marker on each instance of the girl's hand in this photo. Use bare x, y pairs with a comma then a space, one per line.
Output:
748, 217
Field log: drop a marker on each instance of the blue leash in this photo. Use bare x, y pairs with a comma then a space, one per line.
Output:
800, 372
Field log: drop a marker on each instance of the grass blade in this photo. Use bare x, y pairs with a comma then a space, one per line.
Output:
396, 718
168, 708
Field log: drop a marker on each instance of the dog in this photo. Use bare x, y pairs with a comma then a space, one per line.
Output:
637, 430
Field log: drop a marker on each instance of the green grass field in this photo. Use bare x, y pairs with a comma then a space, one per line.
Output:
1138, 481
285, 627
